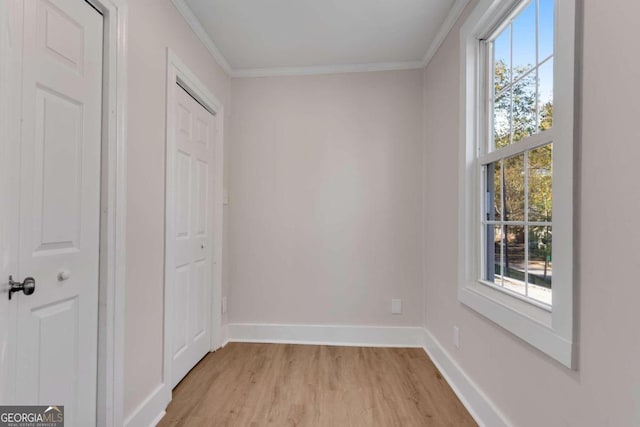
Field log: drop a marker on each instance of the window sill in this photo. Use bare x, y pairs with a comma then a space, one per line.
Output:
528, 322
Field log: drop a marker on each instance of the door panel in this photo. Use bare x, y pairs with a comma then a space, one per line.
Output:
56, 348
63, 36
56, 363
197, 301
183, 195
201, 192
57, 169
180, 295
193, 210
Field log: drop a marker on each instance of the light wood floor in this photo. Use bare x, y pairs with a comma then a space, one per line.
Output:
304, 385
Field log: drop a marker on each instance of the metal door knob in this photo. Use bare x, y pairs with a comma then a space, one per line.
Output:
28, 286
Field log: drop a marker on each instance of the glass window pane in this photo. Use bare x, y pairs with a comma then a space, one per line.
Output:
524, 40
545, 95
494, 193
502, 59
540, 264
513, 187
495, 244
524, 107
545, 32
502, 120
540, 183
514, 263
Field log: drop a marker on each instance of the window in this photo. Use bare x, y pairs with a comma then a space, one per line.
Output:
518, 184
516, 234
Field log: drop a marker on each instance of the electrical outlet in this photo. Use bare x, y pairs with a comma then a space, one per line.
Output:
456, 337
224, 305
396, 306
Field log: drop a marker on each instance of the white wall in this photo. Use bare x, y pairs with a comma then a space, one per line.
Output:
527, 386
325, 199
153, 26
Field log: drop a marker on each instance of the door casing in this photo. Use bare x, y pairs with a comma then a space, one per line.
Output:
110, 393
179, 73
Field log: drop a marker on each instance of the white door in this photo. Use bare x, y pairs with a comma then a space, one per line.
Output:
59, 204
192, 242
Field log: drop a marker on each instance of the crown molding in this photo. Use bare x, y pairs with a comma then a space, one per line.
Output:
197, 28
326, 69
443, 31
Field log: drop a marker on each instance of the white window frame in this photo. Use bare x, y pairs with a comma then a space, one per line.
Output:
550, 331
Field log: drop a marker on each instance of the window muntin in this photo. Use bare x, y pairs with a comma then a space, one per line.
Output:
517, 213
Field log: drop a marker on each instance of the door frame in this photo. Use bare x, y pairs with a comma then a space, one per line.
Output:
112, 256
179, 73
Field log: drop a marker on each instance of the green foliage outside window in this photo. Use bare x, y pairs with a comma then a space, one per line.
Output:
519, 113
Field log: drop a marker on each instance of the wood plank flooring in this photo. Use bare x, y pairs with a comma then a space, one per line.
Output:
304, 385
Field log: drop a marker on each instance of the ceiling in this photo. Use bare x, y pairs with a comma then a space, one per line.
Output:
288, 37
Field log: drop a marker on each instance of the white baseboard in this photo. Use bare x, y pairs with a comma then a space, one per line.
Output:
155, 422
483, 411
364, 336
151, 410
